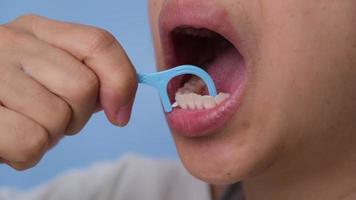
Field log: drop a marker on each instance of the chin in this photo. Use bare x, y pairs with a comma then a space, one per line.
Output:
227, 157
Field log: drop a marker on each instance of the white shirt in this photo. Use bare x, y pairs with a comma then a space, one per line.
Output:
131, 178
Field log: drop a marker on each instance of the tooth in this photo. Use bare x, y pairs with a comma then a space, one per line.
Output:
190, 102
206, 33
200, 83
180, 101
180, 91
194, 85
188, 97
184, 90
189, 86
183, 102
221, 97
192, 82
175, 105
208, 102
198, 100
190, 31
177, 98
193, 101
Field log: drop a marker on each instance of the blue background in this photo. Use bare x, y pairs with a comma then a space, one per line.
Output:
147, 133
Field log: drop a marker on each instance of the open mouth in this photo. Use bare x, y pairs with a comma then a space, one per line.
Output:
197, 40
206, 49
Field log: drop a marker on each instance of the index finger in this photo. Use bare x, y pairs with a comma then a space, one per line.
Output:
100, 51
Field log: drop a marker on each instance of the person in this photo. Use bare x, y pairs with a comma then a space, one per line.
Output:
287, 130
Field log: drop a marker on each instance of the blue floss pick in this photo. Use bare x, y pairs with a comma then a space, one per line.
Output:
160, 80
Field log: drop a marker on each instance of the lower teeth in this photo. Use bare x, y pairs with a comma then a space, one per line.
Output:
188, 98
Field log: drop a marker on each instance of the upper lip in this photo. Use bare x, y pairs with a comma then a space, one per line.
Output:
179, 13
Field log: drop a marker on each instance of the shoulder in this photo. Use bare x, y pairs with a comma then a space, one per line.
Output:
131, 177
159, 179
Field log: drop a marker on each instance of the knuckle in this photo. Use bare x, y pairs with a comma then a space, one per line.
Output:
98, 40
29, 17
21, 166
126, 84
10, 33
3, 33
34, 144
61, 118
74, 128
11, 38
85, 86
6, 35
84, 93
89, 82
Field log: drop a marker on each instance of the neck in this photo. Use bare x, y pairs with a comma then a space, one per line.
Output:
217, 191
327, 173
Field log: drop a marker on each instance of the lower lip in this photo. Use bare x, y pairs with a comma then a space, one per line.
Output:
204, 123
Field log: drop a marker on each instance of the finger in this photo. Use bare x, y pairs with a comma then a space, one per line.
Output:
65, 76
21, 139
20, 166
22, 94
99, 50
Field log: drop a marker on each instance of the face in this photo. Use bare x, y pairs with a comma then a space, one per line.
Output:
289, 67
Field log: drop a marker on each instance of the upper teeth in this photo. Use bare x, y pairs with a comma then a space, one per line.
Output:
187, 97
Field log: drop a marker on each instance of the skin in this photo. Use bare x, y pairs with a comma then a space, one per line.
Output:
293, 137
53, 76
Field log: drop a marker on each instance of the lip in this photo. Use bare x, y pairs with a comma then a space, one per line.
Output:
199, 14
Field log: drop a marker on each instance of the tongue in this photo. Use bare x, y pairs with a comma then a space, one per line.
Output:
227, 70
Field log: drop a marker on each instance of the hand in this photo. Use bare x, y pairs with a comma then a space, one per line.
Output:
52, 75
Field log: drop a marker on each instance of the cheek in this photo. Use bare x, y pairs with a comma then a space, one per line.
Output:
309, 70
300, 83
305, 79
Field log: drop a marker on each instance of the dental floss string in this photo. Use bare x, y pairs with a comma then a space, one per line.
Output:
160, 80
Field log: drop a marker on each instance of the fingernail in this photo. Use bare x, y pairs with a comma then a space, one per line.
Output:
123, 115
